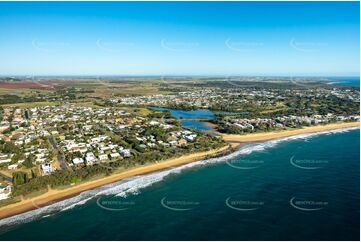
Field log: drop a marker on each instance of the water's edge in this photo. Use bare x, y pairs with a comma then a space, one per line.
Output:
133, 185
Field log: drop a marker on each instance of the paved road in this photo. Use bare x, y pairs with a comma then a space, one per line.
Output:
59, 157
6, 178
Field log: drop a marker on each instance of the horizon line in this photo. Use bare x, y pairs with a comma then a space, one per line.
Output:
174, 75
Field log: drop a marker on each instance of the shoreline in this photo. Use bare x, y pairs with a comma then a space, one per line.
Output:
234, 142
54, 195
264, 136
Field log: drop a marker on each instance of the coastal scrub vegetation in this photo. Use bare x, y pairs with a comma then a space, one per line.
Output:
24, 185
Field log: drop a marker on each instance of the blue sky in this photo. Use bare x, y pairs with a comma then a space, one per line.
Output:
179, 38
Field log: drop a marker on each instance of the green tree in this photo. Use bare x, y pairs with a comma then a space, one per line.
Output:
29, 161
20, 178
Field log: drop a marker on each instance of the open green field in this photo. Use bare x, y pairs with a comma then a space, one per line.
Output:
31, 104
22, 91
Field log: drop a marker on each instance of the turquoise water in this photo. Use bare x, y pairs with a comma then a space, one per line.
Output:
297, 189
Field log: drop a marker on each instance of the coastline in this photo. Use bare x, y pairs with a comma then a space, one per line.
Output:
53, 195
238, 139
234, 141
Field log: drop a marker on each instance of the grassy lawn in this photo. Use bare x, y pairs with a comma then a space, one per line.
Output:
139, 111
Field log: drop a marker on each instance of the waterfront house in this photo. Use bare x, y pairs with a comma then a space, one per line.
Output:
47, 168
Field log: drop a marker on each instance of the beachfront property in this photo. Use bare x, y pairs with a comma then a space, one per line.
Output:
42, 140
5, 191
47, 168
291, 121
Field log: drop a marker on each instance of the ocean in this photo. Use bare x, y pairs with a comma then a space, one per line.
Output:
299, 188
345, 81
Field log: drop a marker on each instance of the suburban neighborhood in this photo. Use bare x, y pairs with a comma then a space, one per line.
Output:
38, 141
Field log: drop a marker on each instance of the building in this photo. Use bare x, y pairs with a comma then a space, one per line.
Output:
77, 161
5, 191
47, 168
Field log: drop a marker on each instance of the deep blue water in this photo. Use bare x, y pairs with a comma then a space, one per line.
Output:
346, 81
188, 117
304, 189
189, 114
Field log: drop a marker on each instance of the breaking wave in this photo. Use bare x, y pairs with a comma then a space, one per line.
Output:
133, 185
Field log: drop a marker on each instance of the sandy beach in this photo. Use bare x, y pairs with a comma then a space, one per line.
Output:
54, 195
234, 141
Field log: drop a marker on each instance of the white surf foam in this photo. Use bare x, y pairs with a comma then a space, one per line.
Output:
133, 185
